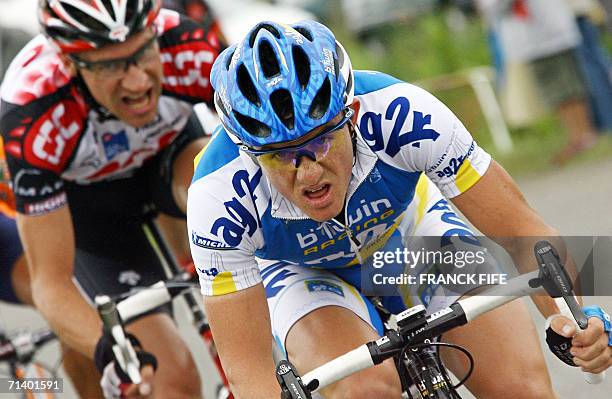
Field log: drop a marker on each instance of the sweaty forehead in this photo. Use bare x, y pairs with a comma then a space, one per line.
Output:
118, 50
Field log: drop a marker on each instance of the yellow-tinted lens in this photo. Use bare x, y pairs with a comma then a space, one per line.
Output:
272, 161
317, 149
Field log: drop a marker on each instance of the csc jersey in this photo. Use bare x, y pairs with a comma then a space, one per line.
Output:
234, 214
54, 131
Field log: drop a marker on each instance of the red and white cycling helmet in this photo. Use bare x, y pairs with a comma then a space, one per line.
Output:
81, 25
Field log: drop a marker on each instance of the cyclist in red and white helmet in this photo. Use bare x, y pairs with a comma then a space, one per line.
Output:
98, 124
78, 26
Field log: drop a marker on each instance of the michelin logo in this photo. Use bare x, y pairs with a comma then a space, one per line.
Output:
208, 243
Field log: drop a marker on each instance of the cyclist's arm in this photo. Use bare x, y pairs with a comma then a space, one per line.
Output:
49, 246
240, 323
477, 185
498, 209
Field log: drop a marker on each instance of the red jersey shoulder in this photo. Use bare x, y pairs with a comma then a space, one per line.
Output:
166, 20
43, 113
188, 51
45, 133
36, 72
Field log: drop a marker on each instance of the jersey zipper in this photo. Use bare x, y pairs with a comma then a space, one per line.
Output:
354, 242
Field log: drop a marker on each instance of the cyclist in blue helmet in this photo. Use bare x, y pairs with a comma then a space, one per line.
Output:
318, 170
282, 91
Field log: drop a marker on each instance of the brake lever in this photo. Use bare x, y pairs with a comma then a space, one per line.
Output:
290, 382
555, 280
123, 349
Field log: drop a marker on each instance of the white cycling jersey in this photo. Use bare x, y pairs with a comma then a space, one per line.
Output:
235, 215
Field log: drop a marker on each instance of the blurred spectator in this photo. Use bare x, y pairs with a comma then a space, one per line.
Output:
320, 8
594, 60
362, 16
517, 90
544, 34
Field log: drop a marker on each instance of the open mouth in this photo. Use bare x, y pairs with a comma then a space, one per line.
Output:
318, 197
138, 103
317, 192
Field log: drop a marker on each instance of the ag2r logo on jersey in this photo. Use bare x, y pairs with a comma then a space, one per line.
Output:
232, 228
459, 229
455, 163
398, 110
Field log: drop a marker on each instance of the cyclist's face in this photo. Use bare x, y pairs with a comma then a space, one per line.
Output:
318, 187
125, 78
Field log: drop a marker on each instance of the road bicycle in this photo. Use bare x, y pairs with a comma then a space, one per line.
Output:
411, 340
410, 336
18, 349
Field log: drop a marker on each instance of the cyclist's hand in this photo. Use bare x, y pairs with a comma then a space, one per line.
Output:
591, 348
114, 387
115, 383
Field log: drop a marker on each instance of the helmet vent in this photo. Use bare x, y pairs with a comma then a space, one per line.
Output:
304, 32
267, 27
253, 126
320, 104
340, 55
131, 7
85, 19
336, 68
349, 84
282, 102
245, 83
302, 65
229, 59
268, 59
220, 105
109, 8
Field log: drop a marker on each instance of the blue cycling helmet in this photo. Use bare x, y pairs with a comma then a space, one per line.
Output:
281, 82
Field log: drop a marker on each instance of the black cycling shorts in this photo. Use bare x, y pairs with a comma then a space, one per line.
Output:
113, 254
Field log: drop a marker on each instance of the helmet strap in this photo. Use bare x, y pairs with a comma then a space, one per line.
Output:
353, 140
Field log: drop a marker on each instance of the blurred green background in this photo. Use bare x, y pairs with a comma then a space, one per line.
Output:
445, 41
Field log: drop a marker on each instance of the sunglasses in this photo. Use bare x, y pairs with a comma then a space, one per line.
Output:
118, 66
315, 148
